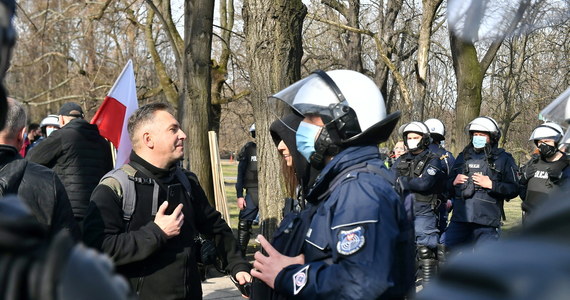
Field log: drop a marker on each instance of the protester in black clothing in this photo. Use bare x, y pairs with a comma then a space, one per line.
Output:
35, 264
78, 155
247, 179
155, 250
37, 186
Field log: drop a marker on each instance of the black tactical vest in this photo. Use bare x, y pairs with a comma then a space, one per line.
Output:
543, 181
249, 154
413, 166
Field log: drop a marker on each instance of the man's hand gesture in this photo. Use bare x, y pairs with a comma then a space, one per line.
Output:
170, 224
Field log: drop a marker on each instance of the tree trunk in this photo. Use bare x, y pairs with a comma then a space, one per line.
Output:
273, 42
194, 107
469, 82
428, 15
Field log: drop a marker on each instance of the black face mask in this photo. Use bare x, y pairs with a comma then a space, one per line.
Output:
546, 150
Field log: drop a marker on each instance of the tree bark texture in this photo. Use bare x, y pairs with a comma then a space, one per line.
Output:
274, 49
194, 107
469, 82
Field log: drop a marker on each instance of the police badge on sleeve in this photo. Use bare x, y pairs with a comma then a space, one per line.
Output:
350, 241
300, 279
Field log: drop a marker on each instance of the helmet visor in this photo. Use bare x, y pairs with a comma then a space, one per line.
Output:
558, 111
310, 95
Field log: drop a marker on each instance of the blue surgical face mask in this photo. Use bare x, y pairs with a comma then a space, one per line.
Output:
479, 141
306, 136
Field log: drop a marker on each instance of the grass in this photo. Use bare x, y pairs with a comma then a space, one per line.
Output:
514, 215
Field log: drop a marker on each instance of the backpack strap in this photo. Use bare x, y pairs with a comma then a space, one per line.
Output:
185, 182
125, 177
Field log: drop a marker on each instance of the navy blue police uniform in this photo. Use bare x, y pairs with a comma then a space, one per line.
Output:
358, 241
247, 179
476, 210
447, 161
422, 175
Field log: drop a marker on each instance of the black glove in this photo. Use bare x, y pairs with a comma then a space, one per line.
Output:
527, 172
244, 289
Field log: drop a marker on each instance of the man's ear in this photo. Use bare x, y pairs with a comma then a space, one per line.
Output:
61, 121
20, 138
148, 140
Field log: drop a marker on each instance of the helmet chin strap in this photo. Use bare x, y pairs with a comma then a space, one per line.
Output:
324, 146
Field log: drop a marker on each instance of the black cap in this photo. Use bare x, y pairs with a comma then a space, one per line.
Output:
71, 109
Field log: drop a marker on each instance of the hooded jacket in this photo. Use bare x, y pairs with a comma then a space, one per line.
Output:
79, 156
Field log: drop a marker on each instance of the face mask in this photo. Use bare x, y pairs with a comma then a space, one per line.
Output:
413, 144
479, 141
442, 144
546, 150
50, 130
306, 135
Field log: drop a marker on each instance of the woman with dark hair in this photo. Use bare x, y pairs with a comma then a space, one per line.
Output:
298, 175
297, 172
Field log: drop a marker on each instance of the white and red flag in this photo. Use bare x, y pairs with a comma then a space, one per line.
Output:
113, 115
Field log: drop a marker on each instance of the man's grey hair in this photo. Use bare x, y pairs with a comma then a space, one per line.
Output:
144, 115
16, 119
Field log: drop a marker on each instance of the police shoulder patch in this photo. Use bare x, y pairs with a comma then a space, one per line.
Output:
350, 241
431, 171
300, 279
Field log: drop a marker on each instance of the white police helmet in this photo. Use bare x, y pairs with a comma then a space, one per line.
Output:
559, 111
485, 124
419, 128
349, 103
52, 120
548, 130
436, 128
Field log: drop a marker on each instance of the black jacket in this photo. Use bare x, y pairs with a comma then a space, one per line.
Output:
157, 267
38, 187
79, 156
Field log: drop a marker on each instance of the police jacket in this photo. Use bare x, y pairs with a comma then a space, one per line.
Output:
446, 157
39, 188
421, 174
540, 178
79, 156
359, 244
157, 267
473, 203
247, 168
527, 265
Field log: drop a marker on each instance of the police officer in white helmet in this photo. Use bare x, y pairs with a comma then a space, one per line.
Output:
420, 171
482, 177
533, 263
354, 239
545, 171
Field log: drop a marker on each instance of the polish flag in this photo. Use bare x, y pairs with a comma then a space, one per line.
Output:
113, 115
